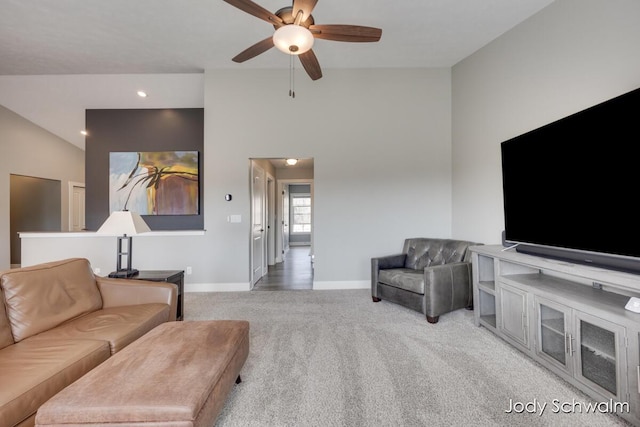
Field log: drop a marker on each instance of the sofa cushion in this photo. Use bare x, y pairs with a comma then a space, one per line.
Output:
119, 326
34, 370
403, 278
41, 297
5, 327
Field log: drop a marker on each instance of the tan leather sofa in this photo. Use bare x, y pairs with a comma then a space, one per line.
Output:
58, 321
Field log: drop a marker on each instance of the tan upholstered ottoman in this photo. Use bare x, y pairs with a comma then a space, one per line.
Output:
178, 374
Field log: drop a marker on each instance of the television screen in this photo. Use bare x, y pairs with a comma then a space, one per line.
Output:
573, 184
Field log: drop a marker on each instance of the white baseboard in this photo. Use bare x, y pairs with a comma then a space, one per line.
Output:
352, 284
216, 287
243, 287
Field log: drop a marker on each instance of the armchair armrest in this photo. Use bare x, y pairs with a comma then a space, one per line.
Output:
121, 292
447, 287
390, 261
382, 263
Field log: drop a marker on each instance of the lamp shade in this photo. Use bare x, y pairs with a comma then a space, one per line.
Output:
122, 223
293, 39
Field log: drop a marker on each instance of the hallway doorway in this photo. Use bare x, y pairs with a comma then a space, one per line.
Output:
35, 204
282, 219
294, 273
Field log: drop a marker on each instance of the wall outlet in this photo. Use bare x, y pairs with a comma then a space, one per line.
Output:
96, 271
189, 270
597, 285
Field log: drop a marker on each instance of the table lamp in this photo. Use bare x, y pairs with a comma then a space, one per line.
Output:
124, 224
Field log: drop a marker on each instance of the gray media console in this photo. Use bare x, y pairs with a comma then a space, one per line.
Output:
570, 318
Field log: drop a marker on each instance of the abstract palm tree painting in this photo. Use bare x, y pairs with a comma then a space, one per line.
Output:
154, 183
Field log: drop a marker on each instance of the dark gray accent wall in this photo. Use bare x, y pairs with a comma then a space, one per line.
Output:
139, 130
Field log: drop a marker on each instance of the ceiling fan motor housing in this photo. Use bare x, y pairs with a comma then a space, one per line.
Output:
286, 14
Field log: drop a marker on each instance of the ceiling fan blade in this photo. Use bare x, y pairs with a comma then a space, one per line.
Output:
346, 33
311, 64
306, 6
258, 11
255, 50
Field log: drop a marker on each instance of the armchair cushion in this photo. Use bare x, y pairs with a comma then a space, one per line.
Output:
423, 252
403, 278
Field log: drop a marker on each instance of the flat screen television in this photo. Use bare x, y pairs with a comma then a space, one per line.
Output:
572, 188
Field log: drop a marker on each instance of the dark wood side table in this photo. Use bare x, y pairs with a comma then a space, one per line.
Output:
170, 276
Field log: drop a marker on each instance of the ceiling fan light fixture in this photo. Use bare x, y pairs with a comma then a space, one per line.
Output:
293, 39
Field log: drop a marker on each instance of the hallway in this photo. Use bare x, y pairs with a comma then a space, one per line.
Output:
295, 273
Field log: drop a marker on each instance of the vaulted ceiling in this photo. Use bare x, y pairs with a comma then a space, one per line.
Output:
83, 37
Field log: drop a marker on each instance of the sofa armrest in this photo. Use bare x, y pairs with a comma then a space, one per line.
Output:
382, 263
121, 292
447, 287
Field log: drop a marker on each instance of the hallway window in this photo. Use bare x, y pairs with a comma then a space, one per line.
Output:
300, 213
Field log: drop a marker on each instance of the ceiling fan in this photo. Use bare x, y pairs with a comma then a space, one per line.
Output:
296, 31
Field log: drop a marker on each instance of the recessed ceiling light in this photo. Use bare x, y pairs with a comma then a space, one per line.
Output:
142, 94
84, 132
291, 162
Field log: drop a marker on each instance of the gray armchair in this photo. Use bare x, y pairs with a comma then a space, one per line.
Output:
432, 276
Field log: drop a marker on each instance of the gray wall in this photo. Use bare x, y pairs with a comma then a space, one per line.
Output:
570, 56
381, 144
26, 149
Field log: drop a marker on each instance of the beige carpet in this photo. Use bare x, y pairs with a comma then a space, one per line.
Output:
334, 358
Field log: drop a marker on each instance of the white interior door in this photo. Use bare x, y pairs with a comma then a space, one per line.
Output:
258, 263
77, 207
270, 211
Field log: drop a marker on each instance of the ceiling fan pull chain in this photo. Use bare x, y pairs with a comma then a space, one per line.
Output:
292, 83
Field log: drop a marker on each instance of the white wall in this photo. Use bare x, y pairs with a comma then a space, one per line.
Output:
380, 140
381, 144
570, 56
26, 149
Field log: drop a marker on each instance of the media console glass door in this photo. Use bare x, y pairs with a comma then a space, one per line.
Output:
554, 340
599, 353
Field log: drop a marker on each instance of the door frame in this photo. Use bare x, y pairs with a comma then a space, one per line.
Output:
279, 230
72, 185
270, 221
252, 257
